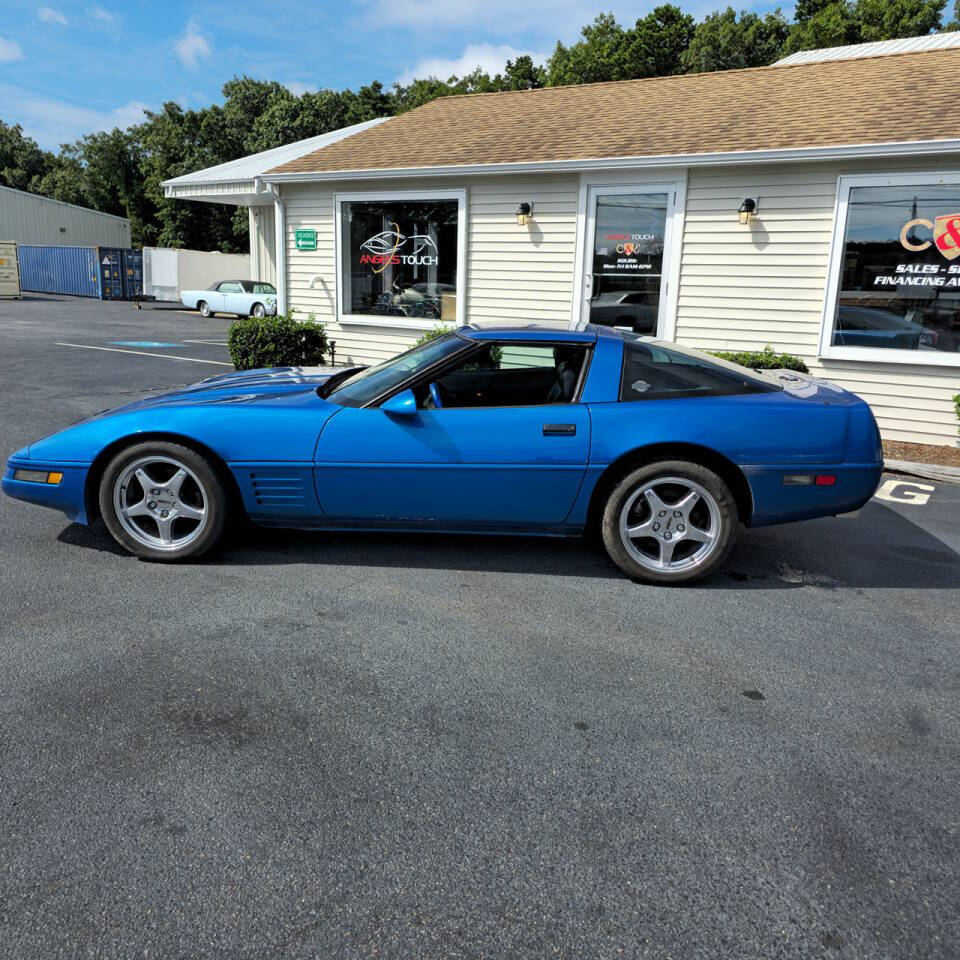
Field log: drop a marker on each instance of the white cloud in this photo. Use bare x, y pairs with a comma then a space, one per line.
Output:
51, 122
10, 51
49, 15
192, 46
109, 19
489, 57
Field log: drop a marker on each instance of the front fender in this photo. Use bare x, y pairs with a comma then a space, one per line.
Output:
247, 428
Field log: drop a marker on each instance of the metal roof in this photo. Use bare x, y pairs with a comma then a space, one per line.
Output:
881, 48
247, 169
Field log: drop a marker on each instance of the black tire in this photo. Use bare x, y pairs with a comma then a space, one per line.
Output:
204, 309
202, 490
259, 311
699, 537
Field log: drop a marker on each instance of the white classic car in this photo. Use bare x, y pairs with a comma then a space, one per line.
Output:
245, 298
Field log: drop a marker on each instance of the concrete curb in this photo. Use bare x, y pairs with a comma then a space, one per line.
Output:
929, 471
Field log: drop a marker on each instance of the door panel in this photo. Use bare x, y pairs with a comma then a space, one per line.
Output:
463, 465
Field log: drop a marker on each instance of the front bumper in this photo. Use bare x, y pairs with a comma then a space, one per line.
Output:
67, 496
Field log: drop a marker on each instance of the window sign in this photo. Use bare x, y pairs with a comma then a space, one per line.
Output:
399, 258
898, 282
628, 260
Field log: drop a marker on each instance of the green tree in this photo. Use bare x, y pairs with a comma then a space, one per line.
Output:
22, 163
656, 44
595, 58
892, 19
722, 42
521, 74
831, 25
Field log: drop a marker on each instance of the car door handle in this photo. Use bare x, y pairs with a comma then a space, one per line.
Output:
559, 429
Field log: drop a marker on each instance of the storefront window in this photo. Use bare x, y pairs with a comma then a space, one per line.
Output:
899, 278
399, 259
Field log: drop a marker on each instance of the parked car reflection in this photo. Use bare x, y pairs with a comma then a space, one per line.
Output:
872, 327
628, 309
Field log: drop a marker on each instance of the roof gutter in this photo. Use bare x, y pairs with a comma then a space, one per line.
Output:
908, 148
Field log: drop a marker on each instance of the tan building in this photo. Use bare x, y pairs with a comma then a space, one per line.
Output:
810, 205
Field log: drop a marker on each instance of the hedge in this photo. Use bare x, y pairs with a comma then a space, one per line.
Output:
765, 359
276, 342
956, 403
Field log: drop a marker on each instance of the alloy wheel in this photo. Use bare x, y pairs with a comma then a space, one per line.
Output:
161, 503
670, 525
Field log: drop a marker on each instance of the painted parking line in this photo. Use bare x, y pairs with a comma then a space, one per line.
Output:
143, 353
212, 343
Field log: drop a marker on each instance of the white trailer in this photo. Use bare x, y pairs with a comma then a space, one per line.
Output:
167, 271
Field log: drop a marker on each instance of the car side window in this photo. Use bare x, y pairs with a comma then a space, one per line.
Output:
508, 374
264, 288
652, 372
230, 286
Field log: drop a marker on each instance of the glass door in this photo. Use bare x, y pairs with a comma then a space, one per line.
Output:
625, 277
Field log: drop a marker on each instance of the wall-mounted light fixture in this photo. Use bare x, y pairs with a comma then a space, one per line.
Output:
748, 211
524, 213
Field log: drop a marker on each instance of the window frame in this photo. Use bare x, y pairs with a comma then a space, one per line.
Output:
404, 323
829, 351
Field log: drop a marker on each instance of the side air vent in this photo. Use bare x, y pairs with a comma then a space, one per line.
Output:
277, 488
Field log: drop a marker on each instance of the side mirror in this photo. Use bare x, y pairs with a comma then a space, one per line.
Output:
402, 404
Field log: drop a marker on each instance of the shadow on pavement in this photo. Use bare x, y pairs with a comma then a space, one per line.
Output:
878, 549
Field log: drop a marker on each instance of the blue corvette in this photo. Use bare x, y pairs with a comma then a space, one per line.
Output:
526, 430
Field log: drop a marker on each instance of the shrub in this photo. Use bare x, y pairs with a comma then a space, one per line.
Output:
956, 403
765, 359
276, 342
432, 335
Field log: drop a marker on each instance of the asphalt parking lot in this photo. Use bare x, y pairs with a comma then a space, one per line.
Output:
317, 745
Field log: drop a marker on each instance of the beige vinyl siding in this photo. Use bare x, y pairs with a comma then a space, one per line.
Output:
521, 274
514, 274
742, 288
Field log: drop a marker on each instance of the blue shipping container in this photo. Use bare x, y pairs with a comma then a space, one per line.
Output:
133, 274
70, 270
110, 264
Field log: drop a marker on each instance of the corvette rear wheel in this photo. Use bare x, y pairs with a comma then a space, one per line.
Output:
670, 522
163, 501
204, 308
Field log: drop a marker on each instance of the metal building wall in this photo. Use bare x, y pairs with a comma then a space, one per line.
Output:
29, 219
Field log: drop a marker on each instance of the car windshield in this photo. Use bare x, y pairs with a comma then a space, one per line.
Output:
371, 382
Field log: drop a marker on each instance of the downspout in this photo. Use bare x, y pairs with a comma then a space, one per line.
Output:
281, 242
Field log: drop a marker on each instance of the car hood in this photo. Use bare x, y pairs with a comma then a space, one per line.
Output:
237, 387
280, 406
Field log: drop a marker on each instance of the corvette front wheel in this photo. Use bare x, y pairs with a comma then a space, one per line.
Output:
163, 501
670, 522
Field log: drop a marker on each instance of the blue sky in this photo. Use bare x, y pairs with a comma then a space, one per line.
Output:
67, 68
